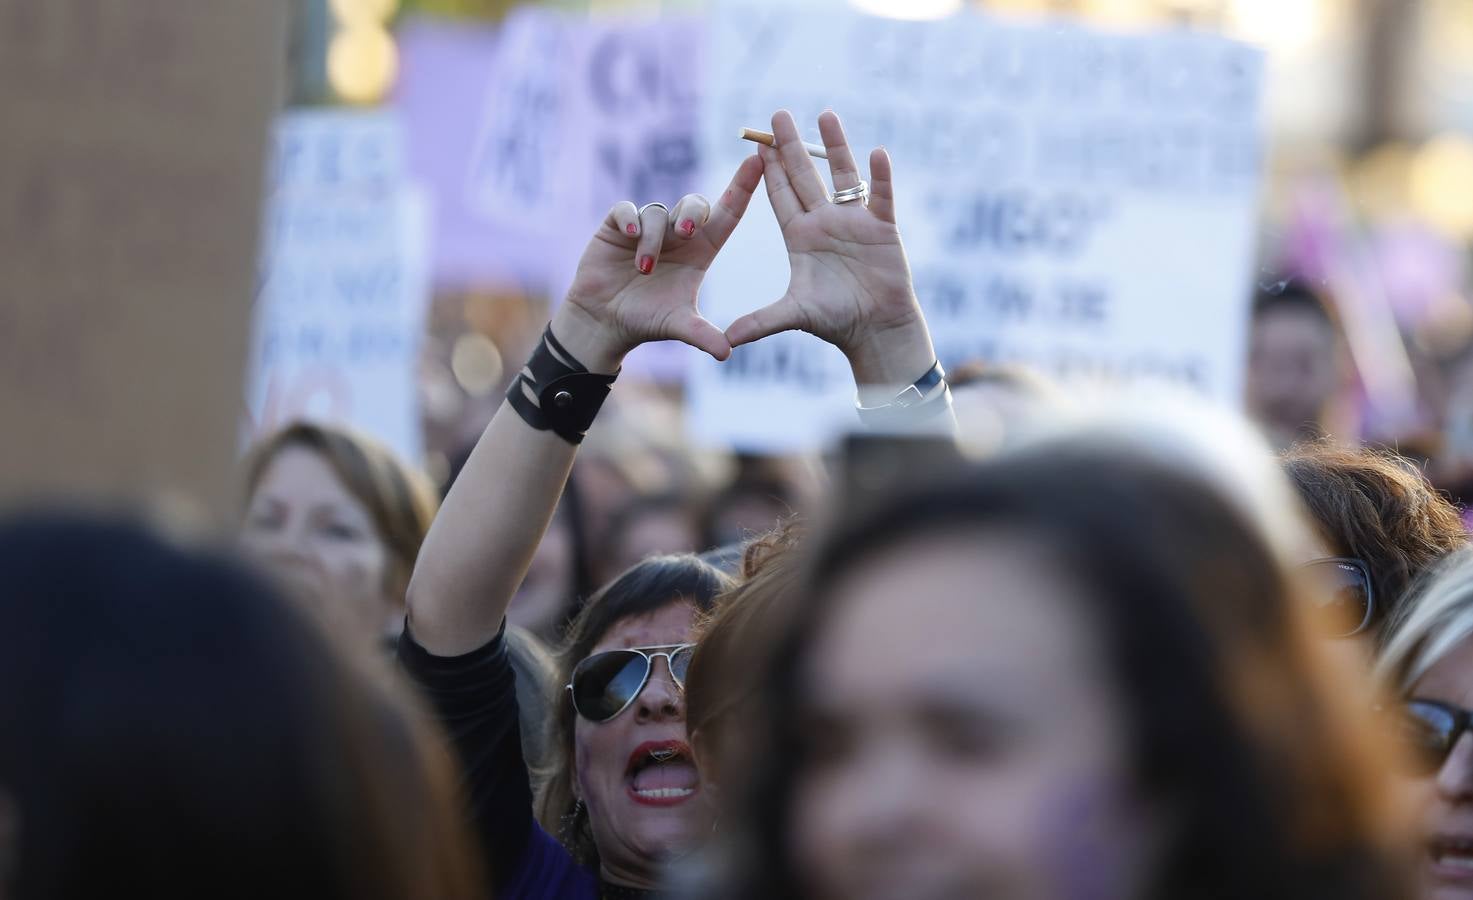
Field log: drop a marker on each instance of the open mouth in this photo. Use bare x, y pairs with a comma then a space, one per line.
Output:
662, 773
1452, 856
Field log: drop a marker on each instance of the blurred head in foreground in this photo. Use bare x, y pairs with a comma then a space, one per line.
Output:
1294, 363
1076, 671
995, 404
173, 729
732, 643
1380, 525
341, 520
1428, 663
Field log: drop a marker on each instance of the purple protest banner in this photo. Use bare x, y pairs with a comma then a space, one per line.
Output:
527, 133
442, 95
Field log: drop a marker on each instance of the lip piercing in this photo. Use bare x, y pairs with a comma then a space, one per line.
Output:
662, 755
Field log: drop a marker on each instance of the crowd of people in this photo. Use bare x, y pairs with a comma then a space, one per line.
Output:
998, 647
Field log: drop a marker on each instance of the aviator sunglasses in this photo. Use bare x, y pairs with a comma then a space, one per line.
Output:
1348, 606
604, 684
1429, 730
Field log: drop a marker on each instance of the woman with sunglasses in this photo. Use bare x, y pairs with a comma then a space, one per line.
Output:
1076, 671
625, 797
1428, 663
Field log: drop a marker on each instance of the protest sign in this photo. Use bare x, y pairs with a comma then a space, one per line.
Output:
528, 132
131, 162
525, 135
1078, 201
344, 282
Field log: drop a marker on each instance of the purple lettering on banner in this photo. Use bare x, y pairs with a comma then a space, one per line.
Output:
526, 133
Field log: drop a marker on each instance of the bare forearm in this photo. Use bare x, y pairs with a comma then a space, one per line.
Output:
481, 543
637, 281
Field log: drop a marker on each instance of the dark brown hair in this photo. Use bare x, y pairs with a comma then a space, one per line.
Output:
1293, 294
1241, 727
175, 729
399, 498
643, 589
1377, 507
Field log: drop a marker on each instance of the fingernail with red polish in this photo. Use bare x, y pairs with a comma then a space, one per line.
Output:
646, 264
632, 228
688, 226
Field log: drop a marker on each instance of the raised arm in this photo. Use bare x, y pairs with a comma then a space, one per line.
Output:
851, 283
637, 282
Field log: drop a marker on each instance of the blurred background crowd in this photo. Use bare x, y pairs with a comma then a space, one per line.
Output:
1362, 323
430, 184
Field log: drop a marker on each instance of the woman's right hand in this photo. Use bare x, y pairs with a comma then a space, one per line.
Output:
639, 276
850, 282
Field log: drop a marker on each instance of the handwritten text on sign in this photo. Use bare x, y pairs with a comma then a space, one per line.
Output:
527, 134
1077, 201
344, 282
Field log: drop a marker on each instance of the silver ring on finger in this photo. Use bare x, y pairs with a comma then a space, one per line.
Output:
859, 192
652, 205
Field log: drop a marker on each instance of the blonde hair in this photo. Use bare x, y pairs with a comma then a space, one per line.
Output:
1430, 624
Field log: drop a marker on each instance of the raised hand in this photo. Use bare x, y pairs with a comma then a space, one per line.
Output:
638, 278
636, 282
850, 283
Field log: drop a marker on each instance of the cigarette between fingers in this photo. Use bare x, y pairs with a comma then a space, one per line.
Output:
765, 137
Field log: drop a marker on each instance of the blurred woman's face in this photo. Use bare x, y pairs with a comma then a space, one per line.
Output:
542, 601
1294, 368
636, 772
309, 529
963, 738
655, 533
1447, 795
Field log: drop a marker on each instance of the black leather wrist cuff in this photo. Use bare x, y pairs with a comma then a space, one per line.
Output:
554, 392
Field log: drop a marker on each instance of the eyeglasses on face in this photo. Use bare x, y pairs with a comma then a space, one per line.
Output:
604, 684
1348, 605
1428, 730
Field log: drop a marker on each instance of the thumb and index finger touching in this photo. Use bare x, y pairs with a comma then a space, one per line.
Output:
688, 325
793, 186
